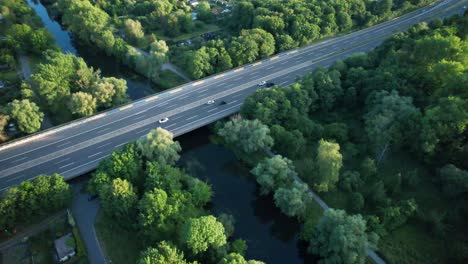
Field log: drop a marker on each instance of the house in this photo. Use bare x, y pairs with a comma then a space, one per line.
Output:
65, 247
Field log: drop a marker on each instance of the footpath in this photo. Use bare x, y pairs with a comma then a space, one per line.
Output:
370, 253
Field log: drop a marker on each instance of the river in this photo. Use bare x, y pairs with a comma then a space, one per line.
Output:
138, 86
271, 236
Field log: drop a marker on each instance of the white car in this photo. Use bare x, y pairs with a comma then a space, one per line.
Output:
210, 102
164, 120
262, 83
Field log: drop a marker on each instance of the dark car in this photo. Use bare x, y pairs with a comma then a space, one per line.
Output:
269, 84
222, 103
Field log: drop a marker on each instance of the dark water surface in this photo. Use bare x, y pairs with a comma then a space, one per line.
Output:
138, 86
271, 236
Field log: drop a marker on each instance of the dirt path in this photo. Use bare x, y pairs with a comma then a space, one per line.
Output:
167, 66
370, 253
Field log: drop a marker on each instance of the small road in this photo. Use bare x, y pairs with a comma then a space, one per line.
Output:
167, 66
85, 212
43, 225
77, 147
370, 253
170, 67
25, 67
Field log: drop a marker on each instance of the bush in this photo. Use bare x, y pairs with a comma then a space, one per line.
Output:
80, 248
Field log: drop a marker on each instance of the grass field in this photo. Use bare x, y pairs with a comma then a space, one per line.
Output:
169, 79
120, 246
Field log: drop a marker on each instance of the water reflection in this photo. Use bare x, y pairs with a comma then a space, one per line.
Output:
138, 87
271, 236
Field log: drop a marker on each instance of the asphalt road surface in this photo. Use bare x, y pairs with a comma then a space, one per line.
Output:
77, 147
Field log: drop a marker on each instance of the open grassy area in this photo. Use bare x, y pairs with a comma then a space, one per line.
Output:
202, 29
169, 79
120, 246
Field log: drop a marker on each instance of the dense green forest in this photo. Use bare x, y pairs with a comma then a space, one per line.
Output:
142, 192
61, 85
143, 34
382, 135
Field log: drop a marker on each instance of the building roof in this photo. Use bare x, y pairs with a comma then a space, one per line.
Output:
62, 248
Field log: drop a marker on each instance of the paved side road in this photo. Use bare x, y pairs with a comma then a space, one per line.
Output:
85, 212
370, 253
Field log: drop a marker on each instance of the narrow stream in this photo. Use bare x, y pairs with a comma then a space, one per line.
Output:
271, 236
138, 86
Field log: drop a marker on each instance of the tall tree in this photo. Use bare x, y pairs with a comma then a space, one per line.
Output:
202, 233
273, 173
329, 162
163, 253
248, 136
340, 238
26, 115
118, 200
82, 104
158, 145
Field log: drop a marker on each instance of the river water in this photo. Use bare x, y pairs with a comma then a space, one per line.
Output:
138, 87
271, 236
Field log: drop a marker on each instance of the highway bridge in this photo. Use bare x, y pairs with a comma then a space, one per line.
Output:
77, 147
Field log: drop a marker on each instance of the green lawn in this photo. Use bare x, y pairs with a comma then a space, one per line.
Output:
120, 246
169, 79
205, 28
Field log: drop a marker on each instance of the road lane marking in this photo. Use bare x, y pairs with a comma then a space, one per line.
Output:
270, 67
163, 104
274, 58
292, 52
104, 129
175, 118
190, 118
238, 78
101, 146
125, 107
387, 25
119, 145
151, 99
211, 110
197, 83
67, 165
62, 161
63, 144
171, 125
139, 117
18, 160
237, 95
219, 84
95, 154
332, 55
141, 131
284, 62
202, 91
257, 63
183, 97
63, 172
232, 102
239, 69
218, 76
175, 91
